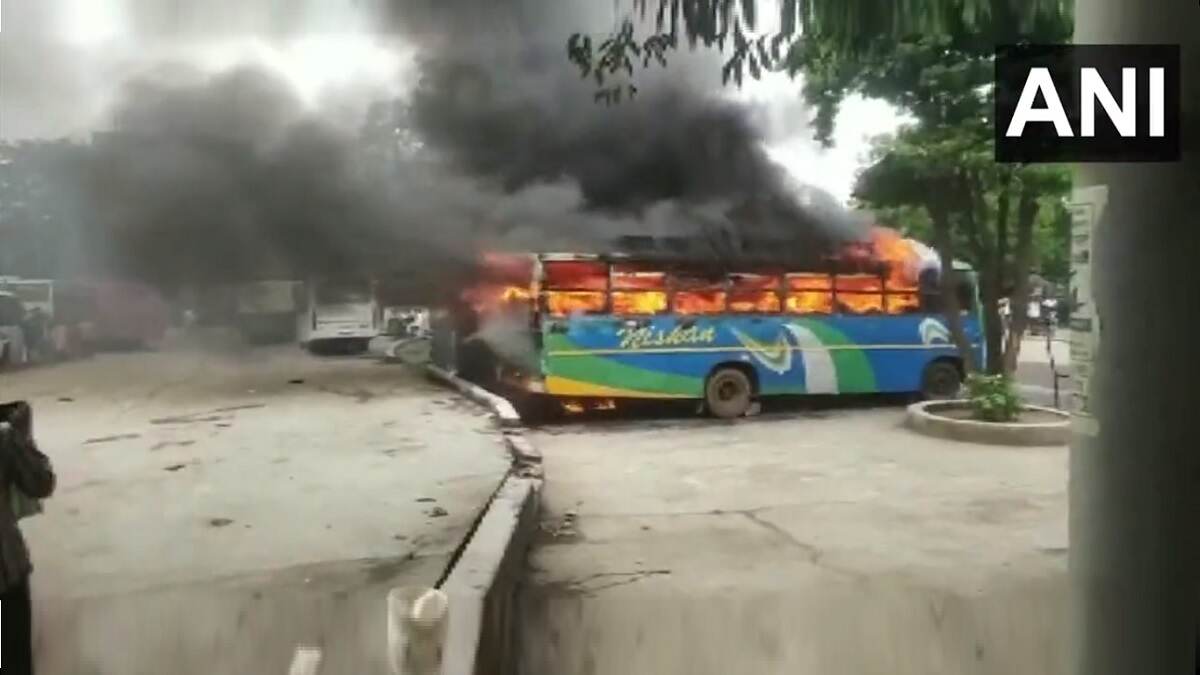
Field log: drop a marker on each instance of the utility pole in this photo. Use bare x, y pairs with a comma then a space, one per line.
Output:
1135, 493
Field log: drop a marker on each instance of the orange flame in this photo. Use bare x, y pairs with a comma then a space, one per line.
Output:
639, 302
899, 256
485, 298
565, 303
700, 302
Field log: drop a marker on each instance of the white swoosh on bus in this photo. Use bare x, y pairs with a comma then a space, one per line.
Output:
934, 331
775, 357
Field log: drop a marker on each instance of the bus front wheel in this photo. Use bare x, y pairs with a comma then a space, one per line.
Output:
942, 380
728, 393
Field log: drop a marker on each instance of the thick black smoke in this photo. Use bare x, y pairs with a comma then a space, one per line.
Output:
229, 176
506, 106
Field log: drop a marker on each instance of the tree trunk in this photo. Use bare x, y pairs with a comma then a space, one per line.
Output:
949, 287
1027, 212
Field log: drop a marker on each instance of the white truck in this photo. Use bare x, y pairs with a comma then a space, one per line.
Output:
339, 316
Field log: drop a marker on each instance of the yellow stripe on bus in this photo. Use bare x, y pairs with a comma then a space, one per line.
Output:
561, 386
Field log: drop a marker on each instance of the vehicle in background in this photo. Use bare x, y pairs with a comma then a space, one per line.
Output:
33, 293
407, 321
598, 328
265, 311
340, 316
126, 315
12, 335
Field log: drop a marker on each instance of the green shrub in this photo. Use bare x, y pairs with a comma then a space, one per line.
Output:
993, 398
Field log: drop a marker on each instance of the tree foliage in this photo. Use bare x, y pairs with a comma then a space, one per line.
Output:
805, 32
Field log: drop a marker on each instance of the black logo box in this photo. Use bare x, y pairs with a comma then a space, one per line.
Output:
1039, 142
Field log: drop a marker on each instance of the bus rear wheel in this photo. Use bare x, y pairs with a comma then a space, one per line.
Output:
942, 380
728, 393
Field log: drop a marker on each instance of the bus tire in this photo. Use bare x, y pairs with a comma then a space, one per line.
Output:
941, 380
728, 393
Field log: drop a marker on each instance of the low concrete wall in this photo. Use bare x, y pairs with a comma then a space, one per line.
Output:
924, 418
482, 581
821, 626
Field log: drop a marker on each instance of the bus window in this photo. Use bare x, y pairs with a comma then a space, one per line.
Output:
903, 302
754, 293
809, 294
638, 290
698, 295
565, 303
575, 275
859, 293
637, 278
639, 302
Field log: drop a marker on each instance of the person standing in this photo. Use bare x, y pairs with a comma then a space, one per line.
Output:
25, 476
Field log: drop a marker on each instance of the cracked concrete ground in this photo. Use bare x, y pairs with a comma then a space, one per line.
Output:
214, 510
801, 542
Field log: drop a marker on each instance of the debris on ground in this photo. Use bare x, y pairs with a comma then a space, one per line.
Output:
564, 528
438, 512
110, 439
298, 380
65, 399
426, 500
174, 467
219, 522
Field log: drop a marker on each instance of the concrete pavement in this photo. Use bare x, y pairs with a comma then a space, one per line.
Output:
214, 511
833, 543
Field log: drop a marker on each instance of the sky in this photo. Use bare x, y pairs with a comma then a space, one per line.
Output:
60, 61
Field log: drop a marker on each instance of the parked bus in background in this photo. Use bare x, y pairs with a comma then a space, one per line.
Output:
339, 316
265, 311
608, 327
127, 315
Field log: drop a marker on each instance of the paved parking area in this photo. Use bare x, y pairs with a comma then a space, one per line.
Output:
201, 494
825, 542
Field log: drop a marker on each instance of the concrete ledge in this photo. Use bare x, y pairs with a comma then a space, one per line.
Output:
482, 586
504, 411
482, 580
924, 418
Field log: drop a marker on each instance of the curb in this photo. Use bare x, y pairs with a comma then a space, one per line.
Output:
922, 418
500, 407
482, 578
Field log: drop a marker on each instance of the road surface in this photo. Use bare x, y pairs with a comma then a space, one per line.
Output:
813, 543
214, 510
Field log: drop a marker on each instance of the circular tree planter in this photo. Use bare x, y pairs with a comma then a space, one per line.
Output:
952, 419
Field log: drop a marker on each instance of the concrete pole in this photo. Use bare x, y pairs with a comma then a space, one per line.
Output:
416, 630
1135, 509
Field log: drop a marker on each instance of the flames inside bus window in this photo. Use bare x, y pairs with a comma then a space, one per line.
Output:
566, 303
754, 293
696, 294
639, 302
626, 277
903, 302
809, 293
859, 293
575, 275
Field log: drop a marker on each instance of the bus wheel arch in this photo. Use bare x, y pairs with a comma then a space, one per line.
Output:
729, 389
942, 378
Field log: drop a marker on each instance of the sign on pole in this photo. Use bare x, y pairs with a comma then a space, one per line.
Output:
1087, 206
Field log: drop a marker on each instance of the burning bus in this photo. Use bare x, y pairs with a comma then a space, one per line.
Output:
597, 327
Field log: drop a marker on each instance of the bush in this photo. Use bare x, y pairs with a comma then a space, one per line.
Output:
993, 398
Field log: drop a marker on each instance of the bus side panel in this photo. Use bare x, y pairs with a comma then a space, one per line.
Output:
670, 357
586, 356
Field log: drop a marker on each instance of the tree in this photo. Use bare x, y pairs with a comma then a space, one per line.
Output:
986, 213
932, 60
845, 27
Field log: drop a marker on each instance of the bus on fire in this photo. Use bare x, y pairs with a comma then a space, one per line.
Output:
606, 327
